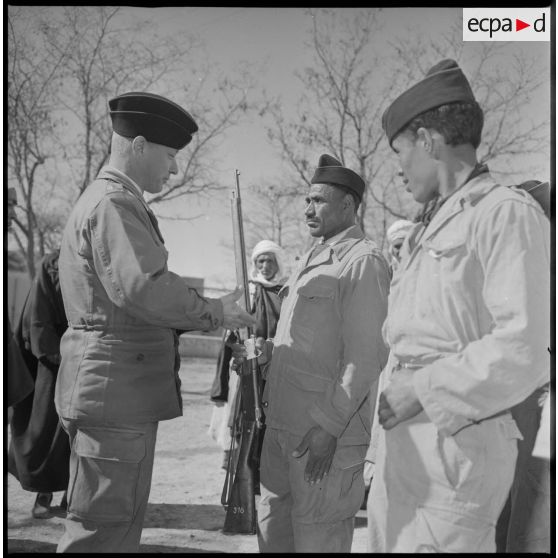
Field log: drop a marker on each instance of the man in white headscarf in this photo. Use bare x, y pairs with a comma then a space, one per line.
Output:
395, 235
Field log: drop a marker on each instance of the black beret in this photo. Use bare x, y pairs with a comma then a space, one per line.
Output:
331, 171
444, 83
154, 117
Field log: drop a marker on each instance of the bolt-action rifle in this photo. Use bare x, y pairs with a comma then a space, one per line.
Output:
242, 477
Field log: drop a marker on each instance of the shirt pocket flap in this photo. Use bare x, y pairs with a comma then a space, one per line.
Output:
122, 446
439, 247
316, 291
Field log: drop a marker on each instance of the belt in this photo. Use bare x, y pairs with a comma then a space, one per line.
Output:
415, 366
87, 327
407, 365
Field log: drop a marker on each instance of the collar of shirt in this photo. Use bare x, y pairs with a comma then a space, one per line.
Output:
475, 189
124, 177
338, 242
336, 238
111, 173
438, 201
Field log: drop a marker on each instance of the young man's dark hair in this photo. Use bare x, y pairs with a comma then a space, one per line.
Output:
459, 123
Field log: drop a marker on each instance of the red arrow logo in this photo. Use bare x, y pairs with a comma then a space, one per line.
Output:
519, 25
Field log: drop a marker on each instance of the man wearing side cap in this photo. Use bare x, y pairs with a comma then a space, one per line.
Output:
467, 326
119, 371
326, 355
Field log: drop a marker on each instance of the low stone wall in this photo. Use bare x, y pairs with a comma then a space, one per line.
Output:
200, 346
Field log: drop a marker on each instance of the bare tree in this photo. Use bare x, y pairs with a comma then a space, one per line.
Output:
217, 103
505, 80
275, 212
32, 85
348, 87
109, 60
341, 109
88, 55
105, 59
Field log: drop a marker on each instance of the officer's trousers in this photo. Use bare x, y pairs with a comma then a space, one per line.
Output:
294, 516
110, 480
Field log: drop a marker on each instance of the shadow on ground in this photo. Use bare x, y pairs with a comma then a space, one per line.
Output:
183, 516
30, 521
28, 546
161, 549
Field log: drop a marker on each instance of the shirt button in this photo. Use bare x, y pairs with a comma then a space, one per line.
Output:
265, 403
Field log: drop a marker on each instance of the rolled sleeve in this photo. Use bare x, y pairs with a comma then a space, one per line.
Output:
507, 364
363, 304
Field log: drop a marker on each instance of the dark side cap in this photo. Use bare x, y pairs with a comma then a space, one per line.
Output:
154, 117
444, 83
331, 171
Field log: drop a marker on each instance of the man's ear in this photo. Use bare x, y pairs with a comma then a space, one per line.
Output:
138, 145
430, 140
349, 202
426, 138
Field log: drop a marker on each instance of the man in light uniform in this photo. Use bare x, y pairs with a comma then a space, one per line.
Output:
327, 353
468, 330
119, 371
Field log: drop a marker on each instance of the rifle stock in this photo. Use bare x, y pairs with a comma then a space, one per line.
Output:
239, 490
239, 495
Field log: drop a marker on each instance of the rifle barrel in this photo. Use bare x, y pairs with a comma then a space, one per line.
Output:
242, 278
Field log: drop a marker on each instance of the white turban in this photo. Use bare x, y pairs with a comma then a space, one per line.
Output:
399, 229
267, 247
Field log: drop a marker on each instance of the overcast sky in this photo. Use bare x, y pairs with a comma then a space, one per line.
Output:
276, 36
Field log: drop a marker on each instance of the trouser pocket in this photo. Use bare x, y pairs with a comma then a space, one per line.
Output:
105, 474
339, 495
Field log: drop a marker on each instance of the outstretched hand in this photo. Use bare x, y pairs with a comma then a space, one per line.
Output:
321, 446
234, 316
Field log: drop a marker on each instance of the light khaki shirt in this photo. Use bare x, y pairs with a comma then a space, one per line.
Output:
470, 304
328, 348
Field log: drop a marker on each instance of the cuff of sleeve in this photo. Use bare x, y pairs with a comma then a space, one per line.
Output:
216, 315
446, 422
331, 426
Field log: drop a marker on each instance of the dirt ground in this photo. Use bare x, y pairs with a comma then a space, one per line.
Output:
184, 513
